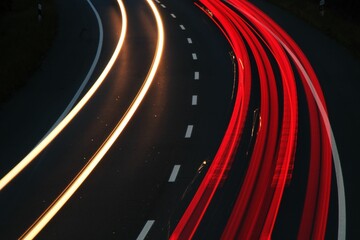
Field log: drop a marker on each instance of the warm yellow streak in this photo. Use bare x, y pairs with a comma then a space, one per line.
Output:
53, 134
85, 172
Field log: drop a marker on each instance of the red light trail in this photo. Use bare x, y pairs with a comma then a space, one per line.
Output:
273, 157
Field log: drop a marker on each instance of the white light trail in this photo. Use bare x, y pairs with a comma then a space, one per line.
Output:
90, 166
57, 130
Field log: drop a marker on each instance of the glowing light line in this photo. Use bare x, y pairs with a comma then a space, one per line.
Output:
90, 166
336, 157
88, 75
56, 131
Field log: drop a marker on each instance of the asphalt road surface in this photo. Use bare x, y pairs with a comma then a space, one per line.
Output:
145, 184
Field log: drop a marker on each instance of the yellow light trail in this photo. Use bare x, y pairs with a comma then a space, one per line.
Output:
57, 130
96, 158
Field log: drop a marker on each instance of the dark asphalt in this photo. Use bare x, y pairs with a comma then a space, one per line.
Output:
339, 74
130, 185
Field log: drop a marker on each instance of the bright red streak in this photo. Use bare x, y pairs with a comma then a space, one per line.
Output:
190, 220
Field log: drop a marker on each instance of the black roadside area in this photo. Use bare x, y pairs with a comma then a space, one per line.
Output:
27, 30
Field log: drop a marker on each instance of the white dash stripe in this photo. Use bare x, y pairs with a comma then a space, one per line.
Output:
189, 40
162, 5
173, 15
174, 173
194, 100
189, 131
145, 230
194, 56
196, 75
157, 1
182, 27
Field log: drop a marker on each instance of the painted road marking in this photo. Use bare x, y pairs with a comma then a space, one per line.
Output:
182, 27
189, 40
194, 100
189, 131
196, 75
145, 230
174, 173
194, 56
162, 5
173, 15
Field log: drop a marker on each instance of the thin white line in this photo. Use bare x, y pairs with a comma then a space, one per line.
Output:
189, 131
88, 75
336, 158
51, 135
107, 144
52, 210
157, 1
162, 5
145, 230
189, 40
173, 15
182, 27
194, 100
174, 173
194, 56
196, 75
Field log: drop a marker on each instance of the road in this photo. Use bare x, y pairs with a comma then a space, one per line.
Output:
213, 149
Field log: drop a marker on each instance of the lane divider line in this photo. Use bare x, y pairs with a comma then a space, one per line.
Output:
174, 173
69, 117
182, 27
173, 15
189, 130
189, 40
196, 75
194, 100
61, 200
145, 230
194, 56
88, 75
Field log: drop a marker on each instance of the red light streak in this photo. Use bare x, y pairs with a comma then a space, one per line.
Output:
272, 161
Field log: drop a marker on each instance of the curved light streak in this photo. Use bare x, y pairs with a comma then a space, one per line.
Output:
90, 166
88, 75
57, 130
330, 135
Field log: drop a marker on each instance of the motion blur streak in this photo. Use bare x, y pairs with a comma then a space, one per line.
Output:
57, 130
66, 194
309, 78
222, 161
96, 158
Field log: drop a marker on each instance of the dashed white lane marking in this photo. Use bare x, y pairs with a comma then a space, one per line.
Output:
189, 40
173, 15
145, 230
194, 56
162, 5
182, 27
157, 1
196, 75
194, 100
189, 131
174, 173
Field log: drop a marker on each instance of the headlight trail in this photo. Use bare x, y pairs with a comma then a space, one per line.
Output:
57, 130
96, 158
88, 75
